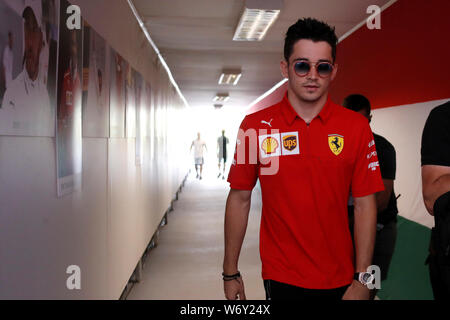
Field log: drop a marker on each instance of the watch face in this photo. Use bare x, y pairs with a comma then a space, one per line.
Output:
366, 278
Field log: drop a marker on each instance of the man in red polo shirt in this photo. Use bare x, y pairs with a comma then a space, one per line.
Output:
308, 154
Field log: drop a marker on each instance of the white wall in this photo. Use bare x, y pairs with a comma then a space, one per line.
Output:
105, 227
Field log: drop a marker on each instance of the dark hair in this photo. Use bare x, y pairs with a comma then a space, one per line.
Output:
28, 13
311, 29
357, 102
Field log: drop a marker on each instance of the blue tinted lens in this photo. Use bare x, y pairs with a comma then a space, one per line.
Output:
302, 68
324, 69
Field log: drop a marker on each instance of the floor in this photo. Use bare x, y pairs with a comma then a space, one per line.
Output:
187, 263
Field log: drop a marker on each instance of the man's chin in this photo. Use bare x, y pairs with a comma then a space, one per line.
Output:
311, 97
32, 73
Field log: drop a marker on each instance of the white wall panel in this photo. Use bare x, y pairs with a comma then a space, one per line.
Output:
42, 235
105, 227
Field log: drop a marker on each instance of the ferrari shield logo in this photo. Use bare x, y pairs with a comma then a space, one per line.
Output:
336, 143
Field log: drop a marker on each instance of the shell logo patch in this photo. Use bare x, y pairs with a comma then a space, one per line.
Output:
336, 143
269, 145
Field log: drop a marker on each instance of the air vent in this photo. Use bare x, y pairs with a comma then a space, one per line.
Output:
257, 18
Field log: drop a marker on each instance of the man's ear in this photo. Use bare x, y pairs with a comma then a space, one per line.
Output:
284, 67
333, 74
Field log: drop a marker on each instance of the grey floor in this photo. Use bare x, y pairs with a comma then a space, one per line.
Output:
187, 263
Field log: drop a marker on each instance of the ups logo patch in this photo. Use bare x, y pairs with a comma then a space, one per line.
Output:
290, 142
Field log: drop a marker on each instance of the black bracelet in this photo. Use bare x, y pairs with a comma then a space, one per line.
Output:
230, 277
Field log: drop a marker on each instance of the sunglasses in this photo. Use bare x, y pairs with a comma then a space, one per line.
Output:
303, 68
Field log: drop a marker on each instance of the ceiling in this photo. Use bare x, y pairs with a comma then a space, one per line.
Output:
195, 39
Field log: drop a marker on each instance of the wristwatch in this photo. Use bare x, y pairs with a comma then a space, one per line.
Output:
364, 277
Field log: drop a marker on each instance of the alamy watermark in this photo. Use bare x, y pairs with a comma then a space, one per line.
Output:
73, 282
376, 274
73, 22
374, 20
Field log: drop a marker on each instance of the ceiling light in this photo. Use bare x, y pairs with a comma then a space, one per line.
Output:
229, 77
258, 17
221, 97
218, 106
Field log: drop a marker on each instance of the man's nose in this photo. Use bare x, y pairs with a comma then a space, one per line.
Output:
312, 74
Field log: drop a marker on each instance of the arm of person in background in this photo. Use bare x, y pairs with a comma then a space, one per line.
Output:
388, 165
435, 182
435, 156
236, 220
364, 234
383, 197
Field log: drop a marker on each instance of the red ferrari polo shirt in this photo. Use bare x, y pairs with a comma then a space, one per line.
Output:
306, 174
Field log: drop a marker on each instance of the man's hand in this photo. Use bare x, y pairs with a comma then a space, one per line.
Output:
236, 219
234, 289
357, 291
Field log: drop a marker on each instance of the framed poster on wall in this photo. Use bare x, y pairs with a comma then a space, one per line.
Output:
117, 95
28, 49
95, 84
139, 109
69, 107
130, 102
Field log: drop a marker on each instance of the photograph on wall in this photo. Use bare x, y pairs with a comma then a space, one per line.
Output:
69, 104
28, 50
130, 117
117, 95
95, 84
139, 125
148, 129
148, 107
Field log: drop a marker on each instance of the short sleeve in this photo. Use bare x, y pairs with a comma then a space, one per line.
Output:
436, 138
387, 158
366, 178
244, 169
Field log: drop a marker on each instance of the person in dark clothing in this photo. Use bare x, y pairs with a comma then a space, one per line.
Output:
222, 143
386, 200
435, 158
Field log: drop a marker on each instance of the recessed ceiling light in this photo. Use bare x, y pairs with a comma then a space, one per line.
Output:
221, 97
230, 77
257, 18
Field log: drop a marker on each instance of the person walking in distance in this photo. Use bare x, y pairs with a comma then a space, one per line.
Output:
199, 147
222, 145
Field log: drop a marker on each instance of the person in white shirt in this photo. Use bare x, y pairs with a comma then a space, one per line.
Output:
26, 108
199, 146
8, 60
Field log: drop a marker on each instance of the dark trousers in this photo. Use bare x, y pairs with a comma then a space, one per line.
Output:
282, 291
439, 270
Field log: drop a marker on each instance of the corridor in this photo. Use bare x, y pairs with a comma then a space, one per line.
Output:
187, 263
106, 106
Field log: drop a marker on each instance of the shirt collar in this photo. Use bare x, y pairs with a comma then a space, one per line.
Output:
290, 114
29, 84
